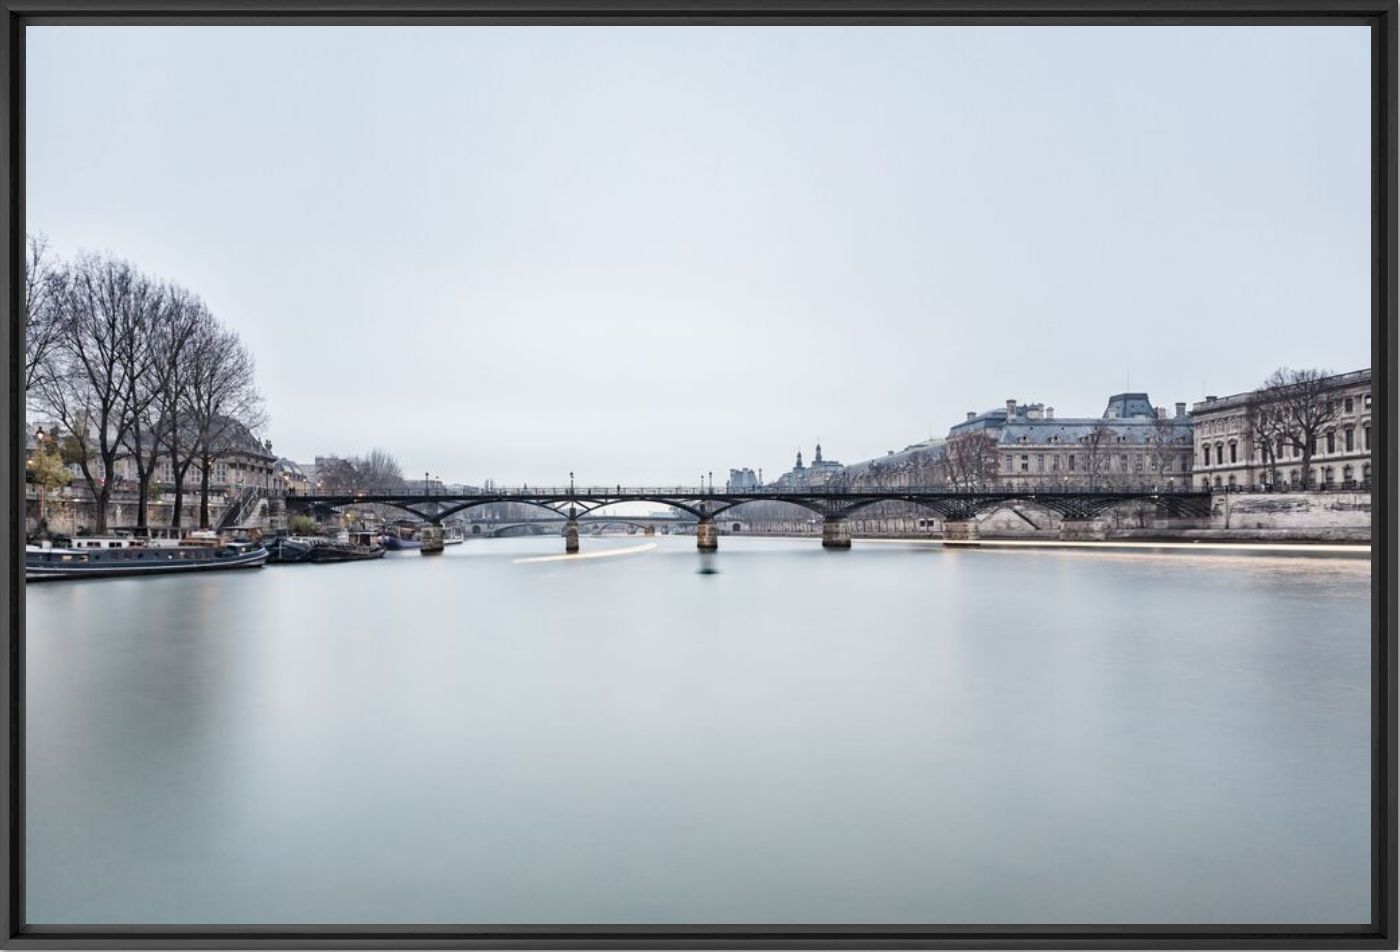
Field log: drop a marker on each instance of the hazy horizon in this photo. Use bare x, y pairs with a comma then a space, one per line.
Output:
644, 253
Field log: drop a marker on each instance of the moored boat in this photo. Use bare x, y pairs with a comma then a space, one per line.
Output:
289, 549
357, 547
399, 538
453, 535
110, 557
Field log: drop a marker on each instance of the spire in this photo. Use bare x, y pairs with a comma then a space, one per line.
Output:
799, 460
818, 457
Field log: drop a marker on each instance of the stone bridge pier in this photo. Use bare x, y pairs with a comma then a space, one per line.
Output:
706, 535
960, 530
1082, 530
571, 536
836, 533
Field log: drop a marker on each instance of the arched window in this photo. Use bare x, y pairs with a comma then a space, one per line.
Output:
1205, 454
1331, 441
1233, 452
1217, 482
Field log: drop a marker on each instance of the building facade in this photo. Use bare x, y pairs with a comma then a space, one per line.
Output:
1132, 445
818, 474
1228, 454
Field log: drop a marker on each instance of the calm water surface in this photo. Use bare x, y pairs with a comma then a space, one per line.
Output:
892, 734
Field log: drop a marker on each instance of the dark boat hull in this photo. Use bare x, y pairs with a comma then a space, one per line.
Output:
395, 544
50, 566
285, 551
345, 553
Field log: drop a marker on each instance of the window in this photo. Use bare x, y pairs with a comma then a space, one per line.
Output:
1350, 439
1233, 452
1071, 462
1331, 441
1205, 454
1040, 462
1025, 464
1366, 401
1185, 463
1366, 437
1350, 405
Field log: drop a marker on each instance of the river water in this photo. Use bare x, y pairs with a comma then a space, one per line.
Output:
898, 733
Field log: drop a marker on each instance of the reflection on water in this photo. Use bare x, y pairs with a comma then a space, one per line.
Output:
896, 734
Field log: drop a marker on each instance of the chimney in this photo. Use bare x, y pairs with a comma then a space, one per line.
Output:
972, 414
1161, 413
1049, 413
1211, 398
1180, 410
1010, 411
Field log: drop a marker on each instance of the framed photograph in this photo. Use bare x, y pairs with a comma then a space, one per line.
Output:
703, 474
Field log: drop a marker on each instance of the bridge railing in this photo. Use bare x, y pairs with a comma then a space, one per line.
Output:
617, 489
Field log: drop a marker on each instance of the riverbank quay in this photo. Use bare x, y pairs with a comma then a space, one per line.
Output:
1147, 546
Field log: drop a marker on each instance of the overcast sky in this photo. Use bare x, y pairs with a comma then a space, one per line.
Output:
644, 253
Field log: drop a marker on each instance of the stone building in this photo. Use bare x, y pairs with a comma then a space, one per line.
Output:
1131, 445
1227, 454
917, 466
819, 473
743, 479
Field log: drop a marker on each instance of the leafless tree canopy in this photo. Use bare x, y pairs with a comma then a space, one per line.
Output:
1292, 409
1098, 446
375, 472
970, 461
45, 281
127, 365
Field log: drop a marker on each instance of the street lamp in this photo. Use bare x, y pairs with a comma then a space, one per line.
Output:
571, 482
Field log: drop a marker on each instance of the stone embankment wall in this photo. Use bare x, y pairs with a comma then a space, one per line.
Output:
1300, 517
71, 515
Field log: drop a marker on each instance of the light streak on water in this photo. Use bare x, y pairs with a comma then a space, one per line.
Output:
630, 550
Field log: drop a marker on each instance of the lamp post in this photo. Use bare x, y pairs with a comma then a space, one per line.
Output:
571, 482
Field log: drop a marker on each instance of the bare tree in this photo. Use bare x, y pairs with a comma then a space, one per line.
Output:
377, 472
1098, 446
45, 281
1264, 431
1305, 407
223, 403
380, 472
1164, 445
154, 398
105, 313
970, 461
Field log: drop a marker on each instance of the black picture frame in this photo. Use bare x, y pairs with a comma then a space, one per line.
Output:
1379, 15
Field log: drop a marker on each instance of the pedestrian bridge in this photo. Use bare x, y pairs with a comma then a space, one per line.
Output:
958, 509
